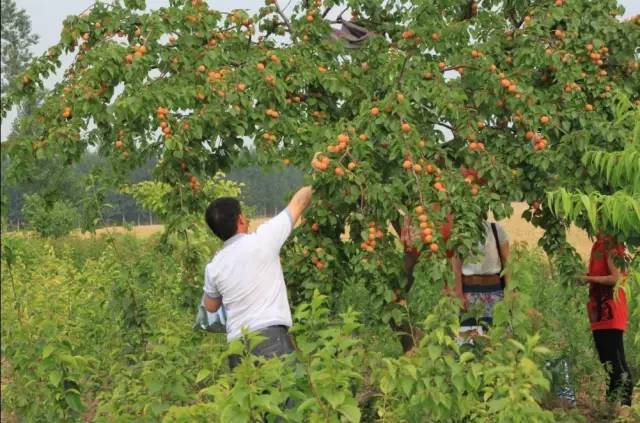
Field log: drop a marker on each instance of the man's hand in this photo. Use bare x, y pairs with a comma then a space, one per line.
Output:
211, 304
299, 202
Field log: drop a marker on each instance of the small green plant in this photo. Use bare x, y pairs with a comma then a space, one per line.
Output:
105, 333
49, 220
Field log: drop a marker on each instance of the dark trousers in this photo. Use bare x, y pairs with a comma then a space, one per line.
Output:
485, 322
610, 348
278, 343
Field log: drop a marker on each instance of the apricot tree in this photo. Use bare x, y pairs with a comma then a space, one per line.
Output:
381, 109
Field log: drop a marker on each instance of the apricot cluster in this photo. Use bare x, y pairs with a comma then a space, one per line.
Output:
138, 52
342, 142
320, 162
375, 232
537, 140
597, 56
426, 231
317, 262
272, 113
193, 182
161, 114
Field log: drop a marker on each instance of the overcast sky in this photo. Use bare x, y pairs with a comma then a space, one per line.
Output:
47, 16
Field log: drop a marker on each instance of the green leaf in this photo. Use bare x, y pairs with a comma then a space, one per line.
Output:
46, 352
351, 412
407, 386
517, 344
306, 405
73, 400
386, 385
234, 414
55, 377
466, 356
202, 375
153, 382
411, 369
591, 208
567, 208
335, 398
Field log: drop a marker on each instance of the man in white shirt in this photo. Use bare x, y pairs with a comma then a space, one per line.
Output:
246, 275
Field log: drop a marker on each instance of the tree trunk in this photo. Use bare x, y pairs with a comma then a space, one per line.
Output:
409, 335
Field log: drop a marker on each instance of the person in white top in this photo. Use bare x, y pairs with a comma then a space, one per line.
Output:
246, 275
479, 283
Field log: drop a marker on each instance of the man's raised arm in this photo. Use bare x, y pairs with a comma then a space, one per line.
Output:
275, 232
299, 202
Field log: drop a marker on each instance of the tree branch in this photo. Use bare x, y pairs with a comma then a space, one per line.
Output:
449, 127
454, 68
404, 66
86, 10
512, 17
286, 21
501, 129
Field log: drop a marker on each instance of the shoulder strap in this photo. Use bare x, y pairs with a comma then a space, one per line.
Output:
495, 235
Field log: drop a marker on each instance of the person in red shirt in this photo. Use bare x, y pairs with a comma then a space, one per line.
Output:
608, 315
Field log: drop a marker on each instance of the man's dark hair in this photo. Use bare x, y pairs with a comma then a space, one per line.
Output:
222, 217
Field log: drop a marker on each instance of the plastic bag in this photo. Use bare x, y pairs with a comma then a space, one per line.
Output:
210, 322
561, 380
467, 333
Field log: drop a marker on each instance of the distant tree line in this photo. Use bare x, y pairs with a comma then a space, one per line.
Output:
52, 182
263, 191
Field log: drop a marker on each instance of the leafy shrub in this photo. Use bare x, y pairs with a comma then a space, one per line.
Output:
104, 334
55, 220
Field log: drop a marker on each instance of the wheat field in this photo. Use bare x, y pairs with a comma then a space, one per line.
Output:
522, 231
519, 230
